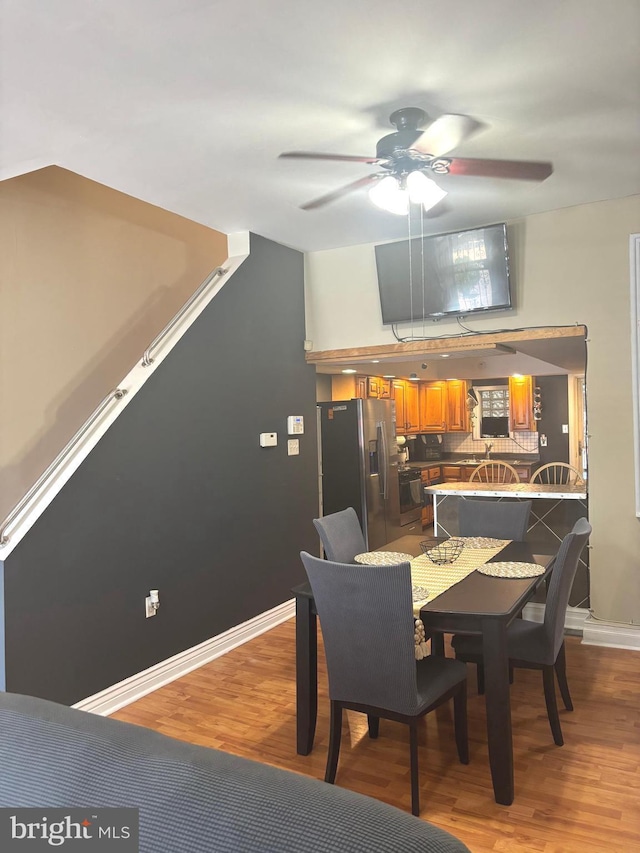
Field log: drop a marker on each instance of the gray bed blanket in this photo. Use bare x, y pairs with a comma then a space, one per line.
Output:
190, 798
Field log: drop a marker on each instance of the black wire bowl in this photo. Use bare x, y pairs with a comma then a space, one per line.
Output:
442, 552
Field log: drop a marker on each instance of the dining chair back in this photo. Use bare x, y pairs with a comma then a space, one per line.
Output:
540, 645
557, 473
341, 535
373, 669
564, 571
499, 519
494, 472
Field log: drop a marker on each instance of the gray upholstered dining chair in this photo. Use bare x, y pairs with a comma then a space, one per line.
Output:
341, 535
497, 519
375, 671
540, 645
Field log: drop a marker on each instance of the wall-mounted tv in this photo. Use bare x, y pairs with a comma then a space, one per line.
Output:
444, 275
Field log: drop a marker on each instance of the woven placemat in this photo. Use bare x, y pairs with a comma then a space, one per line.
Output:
382, 558
482, 542
436, 579
512, 569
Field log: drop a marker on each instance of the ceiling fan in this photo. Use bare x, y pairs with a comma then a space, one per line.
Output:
409, 155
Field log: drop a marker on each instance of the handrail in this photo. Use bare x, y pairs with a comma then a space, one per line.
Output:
116, 394
147, 358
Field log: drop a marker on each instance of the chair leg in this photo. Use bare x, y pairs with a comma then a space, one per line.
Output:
413, 752
561, 672
460, 723
549, 685
480, 678
374, 725
335, 733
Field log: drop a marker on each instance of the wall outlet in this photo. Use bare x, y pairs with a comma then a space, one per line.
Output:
151, 603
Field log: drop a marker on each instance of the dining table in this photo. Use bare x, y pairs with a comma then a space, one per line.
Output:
478, 604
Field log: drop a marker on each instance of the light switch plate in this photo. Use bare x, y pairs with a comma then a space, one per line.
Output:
565, 428
293, 447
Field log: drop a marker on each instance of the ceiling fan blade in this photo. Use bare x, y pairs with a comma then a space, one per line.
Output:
520, 169
445, 134
336, 194
312, 155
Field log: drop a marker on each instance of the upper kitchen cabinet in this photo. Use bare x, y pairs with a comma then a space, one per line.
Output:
407, 406
379, 388
521, 403
433, 406
457, 413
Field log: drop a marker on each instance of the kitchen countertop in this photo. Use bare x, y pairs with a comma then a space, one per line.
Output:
505, 490
467, 461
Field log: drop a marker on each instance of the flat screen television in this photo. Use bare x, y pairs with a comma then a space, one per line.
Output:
444, 275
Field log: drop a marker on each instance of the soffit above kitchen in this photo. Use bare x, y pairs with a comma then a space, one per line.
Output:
188, 104
467, 358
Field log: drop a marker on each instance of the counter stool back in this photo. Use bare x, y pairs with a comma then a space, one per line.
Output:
495, 472
557, 473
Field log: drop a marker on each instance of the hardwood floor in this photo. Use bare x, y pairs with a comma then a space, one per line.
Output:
583, 797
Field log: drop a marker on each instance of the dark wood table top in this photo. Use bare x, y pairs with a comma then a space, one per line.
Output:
476, 594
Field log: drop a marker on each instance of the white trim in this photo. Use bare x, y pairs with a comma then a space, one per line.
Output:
634, 266
131, 384
594, 632
136, 686
573, 621
598, 633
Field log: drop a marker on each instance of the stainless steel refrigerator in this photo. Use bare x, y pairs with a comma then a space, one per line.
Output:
359, 465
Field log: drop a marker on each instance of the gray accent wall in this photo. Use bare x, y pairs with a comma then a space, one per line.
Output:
177, 496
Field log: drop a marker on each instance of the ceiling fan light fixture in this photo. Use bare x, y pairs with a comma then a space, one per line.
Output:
422, 190
388, 195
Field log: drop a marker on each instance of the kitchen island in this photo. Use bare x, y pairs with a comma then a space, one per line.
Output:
555, 510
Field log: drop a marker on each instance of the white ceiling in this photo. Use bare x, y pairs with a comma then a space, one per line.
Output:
187, 103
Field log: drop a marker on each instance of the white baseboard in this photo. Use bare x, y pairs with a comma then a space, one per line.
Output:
573, 620
594, 632
118, 695
598, 633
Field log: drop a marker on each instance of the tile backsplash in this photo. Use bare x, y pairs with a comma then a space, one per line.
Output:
526, 442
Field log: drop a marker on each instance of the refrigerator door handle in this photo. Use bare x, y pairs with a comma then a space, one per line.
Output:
384, 464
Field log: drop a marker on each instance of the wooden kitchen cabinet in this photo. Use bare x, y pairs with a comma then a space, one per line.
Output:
457, 415
521, 403
407, 411
373, 387
433, 406
412, 407
398, 387
429, 477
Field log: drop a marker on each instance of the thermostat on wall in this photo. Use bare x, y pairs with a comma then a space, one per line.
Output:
295, 425
268, 439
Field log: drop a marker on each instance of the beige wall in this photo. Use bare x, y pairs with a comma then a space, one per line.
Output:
88, 277
570, 266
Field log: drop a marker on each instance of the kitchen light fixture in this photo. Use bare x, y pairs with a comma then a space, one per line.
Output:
389, 376
413, 377
349, 370
394, 193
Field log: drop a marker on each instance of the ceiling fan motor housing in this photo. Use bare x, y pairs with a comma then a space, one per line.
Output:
396, 147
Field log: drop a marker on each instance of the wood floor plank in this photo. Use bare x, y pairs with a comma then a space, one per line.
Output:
580, 798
